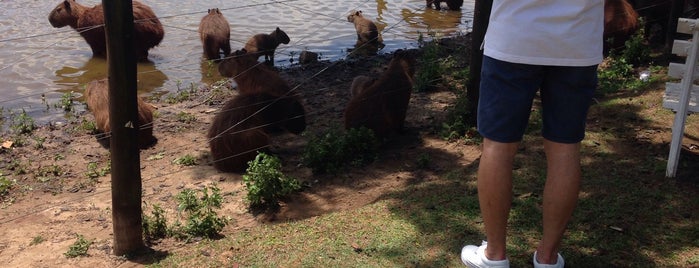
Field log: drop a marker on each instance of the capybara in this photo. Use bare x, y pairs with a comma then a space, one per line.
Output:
89, 22
97, 99
620, 23
359, 83
240, 129
215, 34
251, 76
266, 44
382, 106
367, 32
452, 4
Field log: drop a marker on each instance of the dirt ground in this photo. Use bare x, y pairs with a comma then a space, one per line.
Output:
56, 195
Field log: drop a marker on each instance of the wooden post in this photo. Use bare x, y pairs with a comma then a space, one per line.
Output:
123, 114
481, 16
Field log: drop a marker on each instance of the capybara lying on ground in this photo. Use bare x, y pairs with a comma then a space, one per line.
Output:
241, 128
88, 21
215, 34
251, 76
97, 99
452, 4
266, 44
620, 23
382, 106
367, 32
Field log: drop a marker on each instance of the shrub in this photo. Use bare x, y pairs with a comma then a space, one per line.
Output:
23, 123
5, 185
333, 150
201, 218
186, 160
79, 248
155, 226
266, 183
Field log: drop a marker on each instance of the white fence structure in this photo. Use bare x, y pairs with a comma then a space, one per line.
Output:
682, 97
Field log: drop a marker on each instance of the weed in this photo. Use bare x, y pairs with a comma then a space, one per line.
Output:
88, 126
423, 161
332, 150
37, 240
23, 123
155, 226
202, 220
456, 123
5, 185
39, 142
636, 49
46, 173
93, 171
186, 160
79, 248
431, 71
182, 94
266, 183
66, 102
186, 117
17, 167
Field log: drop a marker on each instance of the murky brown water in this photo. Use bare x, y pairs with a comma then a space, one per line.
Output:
37, 59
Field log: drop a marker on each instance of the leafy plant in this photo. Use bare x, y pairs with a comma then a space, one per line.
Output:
5, 185
186, 117
423, 161
431, 71
265, 182
456, 122
79, 248
155, 226
186, 160
94, 171
66, 102
37, 240
201, 218
23, 123
331, 151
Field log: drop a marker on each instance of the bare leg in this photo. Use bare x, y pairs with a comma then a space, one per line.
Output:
495, 193
563, 177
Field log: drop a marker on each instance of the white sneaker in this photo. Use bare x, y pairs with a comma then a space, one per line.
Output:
474, 257
560, 263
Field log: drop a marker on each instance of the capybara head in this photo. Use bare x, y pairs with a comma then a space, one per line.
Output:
64, 14
236, 63
280, 36
354, 14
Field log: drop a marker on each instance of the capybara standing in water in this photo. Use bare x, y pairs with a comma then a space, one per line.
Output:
620, 23
240, 129
452, 4
89, 22
367, 32
266, 44
215, 34
250, 75
97, 99
382, 106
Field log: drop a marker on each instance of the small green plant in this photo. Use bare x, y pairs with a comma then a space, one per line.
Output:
333, 150
37, 240
155, 226
66, 102
39, 142
423, 161
88, 126
186, 117
79, 248
457, 122
265, 182
46, 173
186, 160
23, 123
182, 94
5, 185
636, 49
430, 74
201, 218
94, 171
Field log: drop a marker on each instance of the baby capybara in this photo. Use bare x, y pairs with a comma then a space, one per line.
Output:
382, 106
239, 130
367, 32
89, 22
452, 4
250, 75
97, 99
215, 34
266, 44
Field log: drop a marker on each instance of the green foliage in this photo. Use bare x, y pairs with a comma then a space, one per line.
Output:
618, 73
23, 123
66, 102
5, 185
265, 182
333, 150
186, 160
431, 71
423, 161
79, 248
37, 240
46, 173
182, 94
186, 117
456, 124
94, 171
155, 226
88, 126
636, 49
201, 218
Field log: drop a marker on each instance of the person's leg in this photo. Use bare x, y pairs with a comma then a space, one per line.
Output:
560, 196
495, 193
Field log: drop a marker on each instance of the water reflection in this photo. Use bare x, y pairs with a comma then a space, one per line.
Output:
209, 72
446, 22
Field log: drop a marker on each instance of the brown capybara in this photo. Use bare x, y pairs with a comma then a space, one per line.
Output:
251, 76
367, 32
215, 34
239, 130
89, 22
382, 106
452, 4
266, 44
359, 83
97, 99
620, 23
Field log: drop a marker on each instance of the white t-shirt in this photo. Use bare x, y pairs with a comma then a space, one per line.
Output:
546, 32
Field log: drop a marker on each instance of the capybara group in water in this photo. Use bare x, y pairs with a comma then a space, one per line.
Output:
89, 22
367, 32
452, 4
266, 44
383, 104
97, 99
215, 34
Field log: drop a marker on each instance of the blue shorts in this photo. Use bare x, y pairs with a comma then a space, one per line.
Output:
507, 91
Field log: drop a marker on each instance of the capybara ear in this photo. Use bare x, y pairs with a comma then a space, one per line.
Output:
66, 4
241, 52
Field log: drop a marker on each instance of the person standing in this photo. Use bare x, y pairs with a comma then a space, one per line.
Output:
550, 47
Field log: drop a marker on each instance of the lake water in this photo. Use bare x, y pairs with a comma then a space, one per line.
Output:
39, 63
